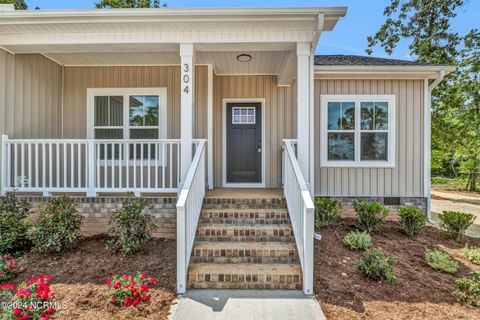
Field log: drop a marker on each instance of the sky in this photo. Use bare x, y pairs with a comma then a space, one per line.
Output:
364, 18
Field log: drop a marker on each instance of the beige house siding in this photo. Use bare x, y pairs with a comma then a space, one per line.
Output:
406, 179
30, 96
78, 79
280, 119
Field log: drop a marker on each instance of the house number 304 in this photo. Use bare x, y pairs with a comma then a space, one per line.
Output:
186, 78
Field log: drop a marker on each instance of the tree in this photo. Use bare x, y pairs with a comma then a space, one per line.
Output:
19, 4
469, 89
130, 4
425, 24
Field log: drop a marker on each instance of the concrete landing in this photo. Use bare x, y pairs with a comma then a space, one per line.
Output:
246, 305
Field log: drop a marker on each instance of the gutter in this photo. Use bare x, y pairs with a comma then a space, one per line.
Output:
427, 137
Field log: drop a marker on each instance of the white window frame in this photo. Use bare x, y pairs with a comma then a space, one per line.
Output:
126, 92
358, 163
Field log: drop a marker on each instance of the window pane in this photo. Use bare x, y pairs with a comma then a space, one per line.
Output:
143, 111
151, 110
136, 111
101, 111
381, 116
108, 133
374, 146
374, 115
348, 115
367, 112
334, 110
341, 146
341, 116
116, 111
144, 133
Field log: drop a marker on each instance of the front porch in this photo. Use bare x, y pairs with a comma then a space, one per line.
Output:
155, 107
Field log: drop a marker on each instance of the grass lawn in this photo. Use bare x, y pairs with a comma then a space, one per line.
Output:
418, 293
450, 184
80, 277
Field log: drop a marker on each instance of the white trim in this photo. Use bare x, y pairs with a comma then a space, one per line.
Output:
169, 14
426, 143
125, 92
226, 184
210, 125
311, 162
391, 99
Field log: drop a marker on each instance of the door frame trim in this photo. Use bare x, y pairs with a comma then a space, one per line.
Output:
226, 184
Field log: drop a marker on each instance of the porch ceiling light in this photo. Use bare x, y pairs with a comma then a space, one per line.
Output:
244, 57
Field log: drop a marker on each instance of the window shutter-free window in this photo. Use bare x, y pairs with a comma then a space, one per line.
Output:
358, 130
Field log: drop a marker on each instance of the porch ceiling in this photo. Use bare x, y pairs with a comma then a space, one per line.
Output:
224, 62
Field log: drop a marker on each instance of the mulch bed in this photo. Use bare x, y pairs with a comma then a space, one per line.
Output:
419, 292
80, 276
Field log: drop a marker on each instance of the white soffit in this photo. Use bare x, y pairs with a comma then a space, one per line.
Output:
115, 58
263, 62
224, 62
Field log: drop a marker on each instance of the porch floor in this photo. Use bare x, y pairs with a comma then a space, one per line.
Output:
245, 193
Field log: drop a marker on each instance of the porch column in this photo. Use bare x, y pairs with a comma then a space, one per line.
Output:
186, 126
303, 108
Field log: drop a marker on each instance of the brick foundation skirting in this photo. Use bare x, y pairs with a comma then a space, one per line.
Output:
347, 203
97, 212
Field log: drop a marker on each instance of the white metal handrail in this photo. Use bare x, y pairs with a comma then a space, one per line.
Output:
301, 209
91, 166
189, 206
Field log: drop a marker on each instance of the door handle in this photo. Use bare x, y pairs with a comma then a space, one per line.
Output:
259, 150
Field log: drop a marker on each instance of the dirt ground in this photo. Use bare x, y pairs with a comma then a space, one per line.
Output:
80, 277
418, 293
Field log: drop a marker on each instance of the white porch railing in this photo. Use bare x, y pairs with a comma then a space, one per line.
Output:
90, 166
189, 206
301, 208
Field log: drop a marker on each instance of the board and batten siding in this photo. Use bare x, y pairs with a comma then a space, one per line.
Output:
30, 96
79, 79
280, 119
406, 179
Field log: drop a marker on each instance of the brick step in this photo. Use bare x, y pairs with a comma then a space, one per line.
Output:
244, 276
245, 232
244, 203
253, 216
244, 252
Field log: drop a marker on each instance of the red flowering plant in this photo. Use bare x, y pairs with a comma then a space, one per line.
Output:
129, 290
30, 300
7, 268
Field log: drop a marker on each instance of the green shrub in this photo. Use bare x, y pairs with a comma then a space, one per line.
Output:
468, 289
357, 240
456, 223
440, 261
10, 203
326, 211
471, 253
413, 220
132, 226
369, 214
376, 266
13, 230
57, 227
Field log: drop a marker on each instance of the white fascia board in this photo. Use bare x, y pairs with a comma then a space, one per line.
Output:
347, 71
168, 14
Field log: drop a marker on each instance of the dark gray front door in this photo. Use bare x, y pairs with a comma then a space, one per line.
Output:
244, 142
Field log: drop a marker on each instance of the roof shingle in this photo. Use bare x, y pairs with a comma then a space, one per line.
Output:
352, 60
